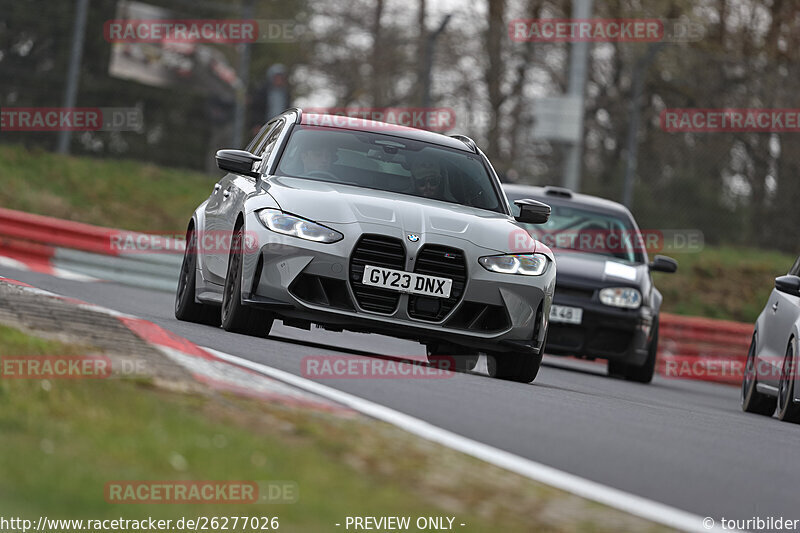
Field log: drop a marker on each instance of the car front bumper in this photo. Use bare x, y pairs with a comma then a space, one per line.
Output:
604, 332
307, 282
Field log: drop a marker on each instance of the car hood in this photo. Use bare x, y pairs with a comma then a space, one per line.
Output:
597, 268
333, 204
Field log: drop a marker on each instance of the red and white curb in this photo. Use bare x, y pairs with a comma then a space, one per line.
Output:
202, 363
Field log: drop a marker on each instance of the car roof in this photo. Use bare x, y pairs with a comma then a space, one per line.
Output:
565, 196
373, 126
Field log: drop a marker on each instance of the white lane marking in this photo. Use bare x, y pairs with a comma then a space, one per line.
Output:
629, 503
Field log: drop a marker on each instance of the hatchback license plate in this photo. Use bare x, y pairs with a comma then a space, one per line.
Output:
565, 314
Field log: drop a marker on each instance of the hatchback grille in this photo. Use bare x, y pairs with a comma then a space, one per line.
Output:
380, 251
444, 262
574, 292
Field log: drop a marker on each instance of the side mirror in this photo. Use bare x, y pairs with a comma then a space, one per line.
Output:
238, 162
532, 211
788, 284
662, 263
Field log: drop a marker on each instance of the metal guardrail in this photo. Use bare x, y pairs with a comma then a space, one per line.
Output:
48, 243
703, 348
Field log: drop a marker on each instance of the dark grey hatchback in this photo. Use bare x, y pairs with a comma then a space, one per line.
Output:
605, 305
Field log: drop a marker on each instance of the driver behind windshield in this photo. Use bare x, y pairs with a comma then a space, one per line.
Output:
318, 157
427, 174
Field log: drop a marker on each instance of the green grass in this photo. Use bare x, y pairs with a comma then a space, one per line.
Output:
62, 443
63, 440
722, 282
15, 342
116, 193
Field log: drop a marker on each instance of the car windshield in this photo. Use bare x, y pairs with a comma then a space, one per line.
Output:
389, 163
580, 229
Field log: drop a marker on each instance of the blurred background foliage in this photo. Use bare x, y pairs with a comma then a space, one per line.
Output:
738, 188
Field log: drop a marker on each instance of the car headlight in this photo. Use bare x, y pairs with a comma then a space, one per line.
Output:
626, 297
525, 264
285, 224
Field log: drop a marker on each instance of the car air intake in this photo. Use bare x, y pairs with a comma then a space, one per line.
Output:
443, 262
380, 251
321, 290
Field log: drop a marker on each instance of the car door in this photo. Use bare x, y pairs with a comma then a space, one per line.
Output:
222, 209
781, 313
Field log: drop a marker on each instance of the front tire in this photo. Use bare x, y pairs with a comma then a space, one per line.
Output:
752, 400
454, 359
236, 317
788, 410
521, 368
186, 308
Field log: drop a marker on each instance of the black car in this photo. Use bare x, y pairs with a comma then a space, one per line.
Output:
605, 305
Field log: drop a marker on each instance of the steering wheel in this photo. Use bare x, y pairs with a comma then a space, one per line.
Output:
322, 174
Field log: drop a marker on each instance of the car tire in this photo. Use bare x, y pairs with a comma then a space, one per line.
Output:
522, 368
451, 358
236, 317
638, 374
186, 307
788, 410
752, 400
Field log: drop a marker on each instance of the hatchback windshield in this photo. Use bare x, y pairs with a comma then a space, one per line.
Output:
583, 230
389, 163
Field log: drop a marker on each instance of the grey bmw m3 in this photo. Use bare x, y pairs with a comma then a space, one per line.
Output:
352, 224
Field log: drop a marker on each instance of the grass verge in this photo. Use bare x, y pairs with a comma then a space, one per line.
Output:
115, 193
722, 282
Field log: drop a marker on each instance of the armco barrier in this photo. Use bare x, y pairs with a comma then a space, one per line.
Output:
689, 347
702, 348
45, 243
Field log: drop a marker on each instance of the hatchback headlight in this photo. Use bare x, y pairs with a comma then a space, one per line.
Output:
626, 297
285, 224
525, 264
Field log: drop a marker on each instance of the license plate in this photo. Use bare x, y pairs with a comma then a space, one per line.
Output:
565, 314
409, 282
